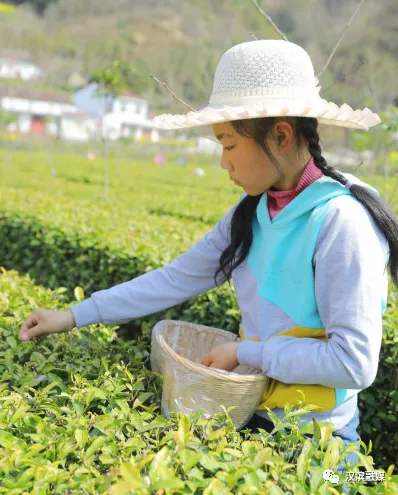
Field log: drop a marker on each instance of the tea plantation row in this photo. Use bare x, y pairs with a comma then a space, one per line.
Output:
168, 190
173, 193
79, 413
55, 230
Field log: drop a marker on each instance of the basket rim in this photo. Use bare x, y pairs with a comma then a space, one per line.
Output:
190, 324
201, 368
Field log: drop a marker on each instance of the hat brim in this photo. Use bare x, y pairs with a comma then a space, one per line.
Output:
325, 112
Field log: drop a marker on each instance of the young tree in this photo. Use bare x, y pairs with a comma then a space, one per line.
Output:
112, 80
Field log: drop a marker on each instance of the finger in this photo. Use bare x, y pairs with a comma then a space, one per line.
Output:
28, 335
30, 322
207, 360
35, 333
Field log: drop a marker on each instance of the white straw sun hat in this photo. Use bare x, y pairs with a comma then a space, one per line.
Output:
267, 78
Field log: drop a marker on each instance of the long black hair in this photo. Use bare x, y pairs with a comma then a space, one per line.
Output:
305, 131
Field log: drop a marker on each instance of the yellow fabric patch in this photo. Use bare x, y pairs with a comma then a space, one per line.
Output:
278, 394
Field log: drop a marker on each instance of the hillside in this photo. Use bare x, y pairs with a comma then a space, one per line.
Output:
181, 43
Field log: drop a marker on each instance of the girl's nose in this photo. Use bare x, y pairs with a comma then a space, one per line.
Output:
225, 163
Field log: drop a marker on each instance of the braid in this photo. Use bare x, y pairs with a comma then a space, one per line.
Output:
310, 131
377, 206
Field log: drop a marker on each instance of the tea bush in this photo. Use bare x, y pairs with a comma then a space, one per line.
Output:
173, 193
79, 413
63, 233
379, 403
60, 243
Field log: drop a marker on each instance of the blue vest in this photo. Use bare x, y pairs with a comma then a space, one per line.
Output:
280, 258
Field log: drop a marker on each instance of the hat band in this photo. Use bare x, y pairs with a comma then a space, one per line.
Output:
255, 95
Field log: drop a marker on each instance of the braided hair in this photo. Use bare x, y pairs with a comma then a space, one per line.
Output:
306, 131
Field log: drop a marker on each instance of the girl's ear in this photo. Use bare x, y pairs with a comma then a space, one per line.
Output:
283, 134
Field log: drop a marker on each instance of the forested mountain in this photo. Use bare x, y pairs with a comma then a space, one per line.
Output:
181, 42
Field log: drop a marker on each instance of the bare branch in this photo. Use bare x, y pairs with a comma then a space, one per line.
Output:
357, 167
168, 89
176, 97
343, 77
253, 35
269, 20
340, 39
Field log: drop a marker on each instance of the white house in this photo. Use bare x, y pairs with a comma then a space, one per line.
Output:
15, 68
125, 115
78, 126
36, 112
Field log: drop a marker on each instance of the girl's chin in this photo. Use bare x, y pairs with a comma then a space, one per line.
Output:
253, 191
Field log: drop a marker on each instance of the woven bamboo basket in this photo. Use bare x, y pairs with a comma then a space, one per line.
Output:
189, 386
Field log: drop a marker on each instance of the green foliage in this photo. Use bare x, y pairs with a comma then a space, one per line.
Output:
55, 252
383, 135
6, 118
117, 76
390, 124
134, 183
80, 414
379, 403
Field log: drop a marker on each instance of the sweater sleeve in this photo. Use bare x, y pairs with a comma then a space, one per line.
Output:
351, 285
189, 275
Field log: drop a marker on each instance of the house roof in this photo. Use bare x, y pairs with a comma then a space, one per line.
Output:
36, 94
79, 115
16, 55
129, 94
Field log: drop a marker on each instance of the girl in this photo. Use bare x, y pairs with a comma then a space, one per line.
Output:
306, 246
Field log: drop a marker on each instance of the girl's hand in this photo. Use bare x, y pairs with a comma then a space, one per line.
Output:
43, 322
223, 357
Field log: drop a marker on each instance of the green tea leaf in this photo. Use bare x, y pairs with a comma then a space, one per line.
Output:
49, 387
123, 404
262, 457
19, 413
81, 436
216, 434
210, 463
183, 432
11, 342
302, 466
159, 469
171, 483
95, 445
275, 490
215, 487
79, 294
10, 441
365, 461
189, 459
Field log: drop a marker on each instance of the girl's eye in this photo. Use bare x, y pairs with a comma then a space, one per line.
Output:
229, 148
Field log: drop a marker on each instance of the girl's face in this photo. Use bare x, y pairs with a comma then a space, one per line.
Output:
245, 161
249, 166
